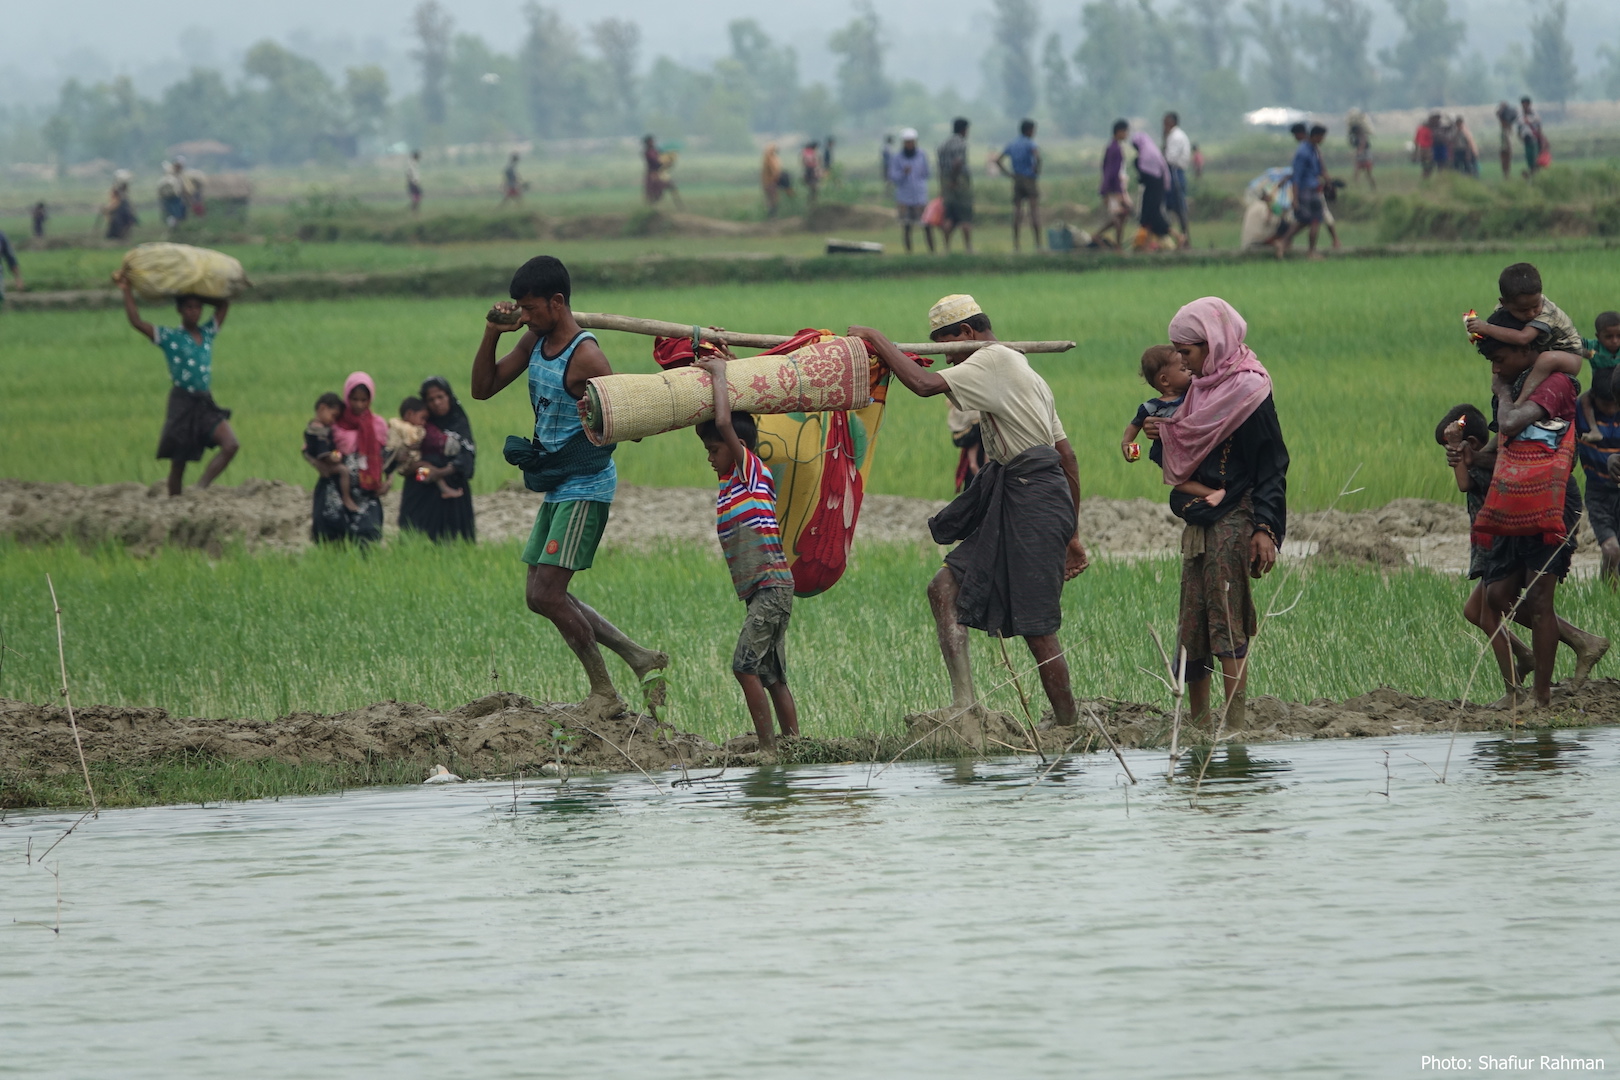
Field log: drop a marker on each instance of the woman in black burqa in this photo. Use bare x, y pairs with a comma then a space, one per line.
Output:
448, 454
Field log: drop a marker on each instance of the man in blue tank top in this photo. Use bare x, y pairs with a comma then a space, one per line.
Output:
559, 358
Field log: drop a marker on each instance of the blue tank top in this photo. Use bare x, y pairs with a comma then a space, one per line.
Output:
556, 420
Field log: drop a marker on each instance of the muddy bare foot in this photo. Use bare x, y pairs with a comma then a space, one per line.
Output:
600, 707
1508, 702
654, 690
972, 724
1587, 654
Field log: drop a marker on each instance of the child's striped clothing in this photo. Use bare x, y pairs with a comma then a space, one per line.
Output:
745, 518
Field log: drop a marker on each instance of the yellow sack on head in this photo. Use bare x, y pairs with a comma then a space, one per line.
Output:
164, 271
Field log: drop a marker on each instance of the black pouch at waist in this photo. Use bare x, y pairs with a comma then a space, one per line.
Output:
547, 470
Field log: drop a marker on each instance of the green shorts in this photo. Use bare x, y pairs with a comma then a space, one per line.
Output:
566, 534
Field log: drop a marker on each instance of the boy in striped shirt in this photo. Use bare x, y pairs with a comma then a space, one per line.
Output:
752, 541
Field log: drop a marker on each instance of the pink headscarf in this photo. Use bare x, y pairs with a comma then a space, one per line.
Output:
1148, 157
362, 433
1233, 384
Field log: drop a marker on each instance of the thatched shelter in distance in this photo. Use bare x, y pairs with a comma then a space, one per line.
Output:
228, 194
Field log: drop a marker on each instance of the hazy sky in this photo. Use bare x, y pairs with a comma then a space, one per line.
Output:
936, 41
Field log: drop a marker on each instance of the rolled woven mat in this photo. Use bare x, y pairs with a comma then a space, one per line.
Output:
830, 375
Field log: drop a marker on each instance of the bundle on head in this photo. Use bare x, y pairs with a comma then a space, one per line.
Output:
166, 271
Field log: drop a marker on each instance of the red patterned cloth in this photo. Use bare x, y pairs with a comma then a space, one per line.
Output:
821, 549
1526, 496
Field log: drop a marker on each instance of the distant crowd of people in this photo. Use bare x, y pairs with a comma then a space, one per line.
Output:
1162, 169
815, 168
1524, 125
1444, 142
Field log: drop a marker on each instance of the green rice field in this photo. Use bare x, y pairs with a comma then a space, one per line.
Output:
265, 635
1366, 354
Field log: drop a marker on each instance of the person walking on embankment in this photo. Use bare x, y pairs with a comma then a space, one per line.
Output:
559, 359
956, 185
1225, 435
194, 421
1018, 522
1021, 160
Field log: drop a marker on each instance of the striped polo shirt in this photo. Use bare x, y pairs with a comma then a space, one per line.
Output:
745, 518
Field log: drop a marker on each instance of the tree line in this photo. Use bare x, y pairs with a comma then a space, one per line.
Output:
1210, 59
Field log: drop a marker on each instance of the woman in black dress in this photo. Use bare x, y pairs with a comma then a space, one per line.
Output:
448, 454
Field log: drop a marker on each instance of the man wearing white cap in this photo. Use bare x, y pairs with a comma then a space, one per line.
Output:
908, 172
1018, 522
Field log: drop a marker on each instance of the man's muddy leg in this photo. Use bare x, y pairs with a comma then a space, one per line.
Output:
547, 595
1524, 661
1543, 633
1499, 599
953, 639
641, 659
1054, 672
1587, 647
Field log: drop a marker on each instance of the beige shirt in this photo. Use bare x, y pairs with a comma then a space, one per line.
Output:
960, 422
1015, 406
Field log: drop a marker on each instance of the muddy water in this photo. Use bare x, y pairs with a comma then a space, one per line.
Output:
936, 920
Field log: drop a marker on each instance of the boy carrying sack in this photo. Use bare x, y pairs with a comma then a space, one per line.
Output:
752, 541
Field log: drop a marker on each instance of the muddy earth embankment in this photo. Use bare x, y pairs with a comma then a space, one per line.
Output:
506, 734
274, 515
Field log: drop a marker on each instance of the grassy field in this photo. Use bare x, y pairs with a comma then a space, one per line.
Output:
262, 636
1366, 356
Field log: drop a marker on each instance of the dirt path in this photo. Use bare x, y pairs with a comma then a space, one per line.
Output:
275, 515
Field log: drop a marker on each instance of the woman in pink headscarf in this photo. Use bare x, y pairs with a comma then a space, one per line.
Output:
1224, 435
1155, 174
359, 436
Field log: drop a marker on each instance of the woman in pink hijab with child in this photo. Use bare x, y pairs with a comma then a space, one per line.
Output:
1225, 435
359, 437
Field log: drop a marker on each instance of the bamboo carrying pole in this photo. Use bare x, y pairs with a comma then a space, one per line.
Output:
656, 328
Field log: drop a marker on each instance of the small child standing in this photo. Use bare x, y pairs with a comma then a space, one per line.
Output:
1165, 371
319, 444
1598, 425
752, 541
1603, 353
1604, 350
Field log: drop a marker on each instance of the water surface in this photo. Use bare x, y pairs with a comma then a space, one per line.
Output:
932, 920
